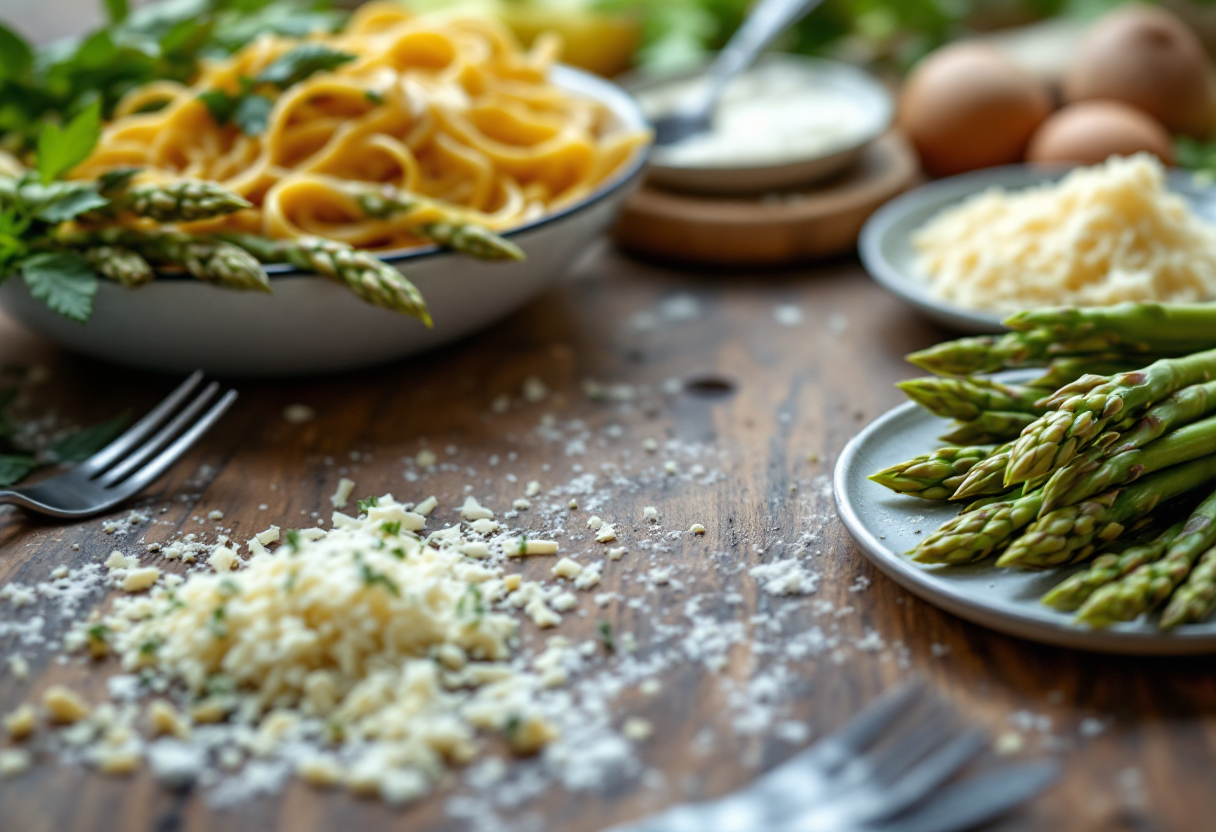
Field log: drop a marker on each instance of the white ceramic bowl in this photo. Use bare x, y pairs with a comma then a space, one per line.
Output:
869, 94
310, 325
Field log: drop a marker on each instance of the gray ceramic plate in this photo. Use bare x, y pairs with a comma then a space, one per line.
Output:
886, 525
886, 248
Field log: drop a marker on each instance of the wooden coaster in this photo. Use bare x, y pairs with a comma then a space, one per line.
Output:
768, 229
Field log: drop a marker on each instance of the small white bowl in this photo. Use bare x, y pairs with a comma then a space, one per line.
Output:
311, 325
872, 98
888, 254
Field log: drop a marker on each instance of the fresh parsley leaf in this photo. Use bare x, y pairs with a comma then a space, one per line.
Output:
373, 96
393, 528
82, 444
64, 280
60, 201
13, 225
13, 469
302, 62
607, 640
16, 56
219, 103
368, 502
62, 148
371, 577
116, 11
292, 538
251, 114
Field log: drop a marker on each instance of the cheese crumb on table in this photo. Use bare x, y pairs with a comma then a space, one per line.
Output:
606, 534
117, 560
617, 553
473, 510
637, 729
426, 458
426, 506
215, 515
167, 720
137, 580
533, 489
223, 559
341, 495
298, 414
21, 721
696, 528
651, 514
566, 568
14, 762
64, 705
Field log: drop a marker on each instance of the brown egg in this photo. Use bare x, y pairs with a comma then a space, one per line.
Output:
967, 106
1148, 58
1090, 131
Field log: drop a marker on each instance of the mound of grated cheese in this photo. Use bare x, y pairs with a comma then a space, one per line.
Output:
377, 655
1101, 235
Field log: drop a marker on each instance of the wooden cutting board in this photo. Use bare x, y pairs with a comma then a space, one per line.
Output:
768, 229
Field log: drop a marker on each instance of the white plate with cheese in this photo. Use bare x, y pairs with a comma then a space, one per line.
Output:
888, 252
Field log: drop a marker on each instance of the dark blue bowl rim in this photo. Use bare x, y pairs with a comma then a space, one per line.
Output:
618, 100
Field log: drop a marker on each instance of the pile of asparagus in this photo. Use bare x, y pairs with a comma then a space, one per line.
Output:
128, 232
1108, 458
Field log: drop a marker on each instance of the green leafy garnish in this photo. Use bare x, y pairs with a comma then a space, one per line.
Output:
391, 528
15, 468
217, 625
151, 645
472, 604
249, 109
300, 63
607, 640
98, 632
368, 502
63, 280
397, 552
292, 538
511, 728
79, 445
371, 577
229, 587
62, 148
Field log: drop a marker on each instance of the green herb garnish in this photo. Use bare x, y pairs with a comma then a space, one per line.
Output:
607, 640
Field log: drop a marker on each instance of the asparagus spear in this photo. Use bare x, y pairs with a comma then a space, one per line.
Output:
1108, 568
990, 427
1194, 600
449, 229
120, 265
1071, 534
1182, 408
370, 278
1081, 410
1186, 443
185, 200
991, 353
932, 476
967, 398
1169, 326
207, 258
976, 534
1153, 582
1062, 371
986, 477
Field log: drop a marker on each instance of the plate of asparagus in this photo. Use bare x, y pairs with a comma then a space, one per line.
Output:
1073, 498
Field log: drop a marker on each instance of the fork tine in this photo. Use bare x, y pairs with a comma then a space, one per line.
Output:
968, 803
837, 749
927, 775
135, 434
144, 477
161, 438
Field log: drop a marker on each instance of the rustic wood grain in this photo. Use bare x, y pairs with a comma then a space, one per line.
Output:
830, 375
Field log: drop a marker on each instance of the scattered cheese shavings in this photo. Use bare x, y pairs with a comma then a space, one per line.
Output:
473, 510
341, 495
137, 580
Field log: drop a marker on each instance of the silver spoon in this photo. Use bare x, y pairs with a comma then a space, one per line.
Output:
695, 115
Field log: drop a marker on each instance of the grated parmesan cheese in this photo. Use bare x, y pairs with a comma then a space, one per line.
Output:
1102, 235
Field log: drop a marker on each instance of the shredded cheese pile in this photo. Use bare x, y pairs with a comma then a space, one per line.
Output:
376, 653
1102, 235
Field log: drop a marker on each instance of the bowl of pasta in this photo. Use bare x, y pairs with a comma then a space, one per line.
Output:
418, 164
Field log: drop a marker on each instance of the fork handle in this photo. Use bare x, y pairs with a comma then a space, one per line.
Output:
14, 497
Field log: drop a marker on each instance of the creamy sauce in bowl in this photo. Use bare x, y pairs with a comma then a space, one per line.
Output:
782, 111
786, 122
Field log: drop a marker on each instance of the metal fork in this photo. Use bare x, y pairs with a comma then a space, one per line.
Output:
131, 462
883, 772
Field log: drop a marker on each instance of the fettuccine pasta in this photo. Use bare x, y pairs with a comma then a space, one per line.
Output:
448, 108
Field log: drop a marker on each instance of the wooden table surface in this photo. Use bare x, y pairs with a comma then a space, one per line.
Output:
770, 399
